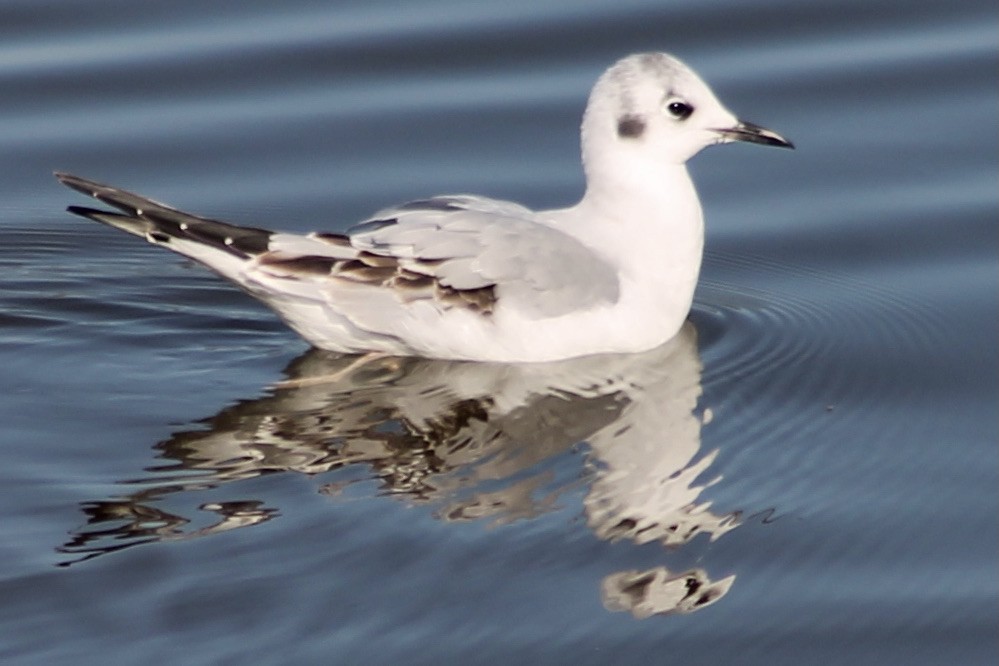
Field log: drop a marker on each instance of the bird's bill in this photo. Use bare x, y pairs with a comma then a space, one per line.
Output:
751, 133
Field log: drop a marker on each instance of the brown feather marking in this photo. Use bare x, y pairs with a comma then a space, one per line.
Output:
406, 280
377, 260
357, 271
308, 265
334, 239
481, 300
409, 286
409, 283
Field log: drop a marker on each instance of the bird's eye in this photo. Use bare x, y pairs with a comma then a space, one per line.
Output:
679, 110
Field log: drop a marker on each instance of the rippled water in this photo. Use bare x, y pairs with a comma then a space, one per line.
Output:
806, 475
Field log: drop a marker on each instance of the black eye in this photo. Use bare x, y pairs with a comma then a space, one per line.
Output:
679, 110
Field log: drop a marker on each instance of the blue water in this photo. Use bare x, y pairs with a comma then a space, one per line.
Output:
807, 475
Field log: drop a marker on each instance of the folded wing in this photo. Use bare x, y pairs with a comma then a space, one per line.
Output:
387, 282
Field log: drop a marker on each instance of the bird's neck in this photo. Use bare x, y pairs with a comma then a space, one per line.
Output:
648, 225
653, 204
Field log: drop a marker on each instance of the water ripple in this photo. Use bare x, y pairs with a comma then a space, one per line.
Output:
805, 350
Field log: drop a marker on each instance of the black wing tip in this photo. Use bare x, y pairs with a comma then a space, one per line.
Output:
122, 221
101, 215
123, 200
97, 213
89, 187
243, 242
82, 211
67, 178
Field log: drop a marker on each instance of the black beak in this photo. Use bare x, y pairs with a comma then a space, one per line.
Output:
755, 134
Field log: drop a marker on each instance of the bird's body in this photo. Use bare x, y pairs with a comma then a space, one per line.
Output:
465, 277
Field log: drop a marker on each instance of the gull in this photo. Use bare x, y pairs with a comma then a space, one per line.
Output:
466, 277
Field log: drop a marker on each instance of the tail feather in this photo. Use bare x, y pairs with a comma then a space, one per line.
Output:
160, 224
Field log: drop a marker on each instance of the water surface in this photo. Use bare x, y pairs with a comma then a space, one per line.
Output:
806, 475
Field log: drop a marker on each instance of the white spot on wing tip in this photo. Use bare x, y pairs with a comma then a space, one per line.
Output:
138, 211
228, 240
183, 226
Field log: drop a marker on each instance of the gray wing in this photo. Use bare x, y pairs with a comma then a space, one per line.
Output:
369, 288
460, 251
470, 243
455, 252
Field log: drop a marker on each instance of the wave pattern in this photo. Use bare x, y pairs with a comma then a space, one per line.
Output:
823, 446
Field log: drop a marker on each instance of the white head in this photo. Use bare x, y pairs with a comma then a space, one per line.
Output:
649, 110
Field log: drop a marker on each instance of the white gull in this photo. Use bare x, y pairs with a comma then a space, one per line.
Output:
472, 278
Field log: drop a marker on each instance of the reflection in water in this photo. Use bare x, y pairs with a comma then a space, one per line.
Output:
140, 523
474, 439
658, 592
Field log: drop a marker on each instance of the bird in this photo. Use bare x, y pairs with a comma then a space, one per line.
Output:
465, 277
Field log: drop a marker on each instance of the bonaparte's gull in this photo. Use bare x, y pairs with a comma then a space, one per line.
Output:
467, 277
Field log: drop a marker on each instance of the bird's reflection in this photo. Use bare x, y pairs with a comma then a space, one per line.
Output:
473, 438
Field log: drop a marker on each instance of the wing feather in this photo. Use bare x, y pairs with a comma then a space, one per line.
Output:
387, 282
479, 242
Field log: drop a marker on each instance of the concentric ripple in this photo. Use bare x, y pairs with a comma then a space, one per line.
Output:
802, 342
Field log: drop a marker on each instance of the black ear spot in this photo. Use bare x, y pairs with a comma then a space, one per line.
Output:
630, 127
